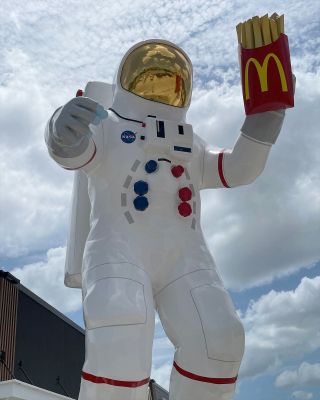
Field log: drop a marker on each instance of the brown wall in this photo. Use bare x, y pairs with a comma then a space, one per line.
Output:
8, 321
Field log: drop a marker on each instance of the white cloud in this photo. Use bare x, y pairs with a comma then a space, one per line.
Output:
162, 374
281, 326
163, 349
46, 280
34, 193
306, 375
272, 227
299, 395
69, 43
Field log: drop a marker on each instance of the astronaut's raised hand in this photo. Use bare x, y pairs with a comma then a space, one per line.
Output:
68, 135
72, 123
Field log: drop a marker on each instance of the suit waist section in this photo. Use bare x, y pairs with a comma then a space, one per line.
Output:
149, 208
156, 245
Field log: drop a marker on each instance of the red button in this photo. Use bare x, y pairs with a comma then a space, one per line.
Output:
185, 194
79, 93
177, 171
184, 209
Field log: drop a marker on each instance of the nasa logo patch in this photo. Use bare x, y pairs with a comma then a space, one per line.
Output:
128, 136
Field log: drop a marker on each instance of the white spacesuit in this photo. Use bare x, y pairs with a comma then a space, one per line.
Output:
145, 250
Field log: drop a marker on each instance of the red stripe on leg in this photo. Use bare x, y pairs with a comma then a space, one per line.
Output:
216, 381
114, 382
220, 169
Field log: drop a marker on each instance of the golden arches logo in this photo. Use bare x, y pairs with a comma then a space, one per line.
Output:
263, 74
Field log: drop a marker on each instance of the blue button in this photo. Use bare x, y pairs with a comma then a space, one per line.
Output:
151, 166
140, 203
141, 187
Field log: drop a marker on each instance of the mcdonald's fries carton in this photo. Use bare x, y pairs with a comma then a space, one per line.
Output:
265, 68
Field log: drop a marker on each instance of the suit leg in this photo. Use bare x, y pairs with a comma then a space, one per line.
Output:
199, 318
119, 317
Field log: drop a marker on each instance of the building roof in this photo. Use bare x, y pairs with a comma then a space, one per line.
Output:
17, 390
33, 296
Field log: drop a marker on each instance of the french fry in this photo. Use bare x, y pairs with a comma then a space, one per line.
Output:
243, 36
274, 30
280, 24
249, 34
257, 32
265, 25
238, 28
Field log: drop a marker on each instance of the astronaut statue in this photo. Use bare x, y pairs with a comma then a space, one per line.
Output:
145, 249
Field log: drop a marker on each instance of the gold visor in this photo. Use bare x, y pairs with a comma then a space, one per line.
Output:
158, 72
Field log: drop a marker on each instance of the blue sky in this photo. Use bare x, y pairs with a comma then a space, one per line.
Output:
265, 237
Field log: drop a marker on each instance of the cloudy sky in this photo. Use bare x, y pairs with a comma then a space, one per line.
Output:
265, 237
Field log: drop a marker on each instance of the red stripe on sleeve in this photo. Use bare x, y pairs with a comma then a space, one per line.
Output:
216, 381
114, 382
220, 169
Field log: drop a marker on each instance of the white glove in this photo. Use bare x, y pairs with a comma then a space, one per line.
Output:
70, 125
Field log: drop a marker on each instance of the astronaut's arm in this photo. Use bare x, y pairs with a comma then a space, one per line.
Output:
68, 136
245, 162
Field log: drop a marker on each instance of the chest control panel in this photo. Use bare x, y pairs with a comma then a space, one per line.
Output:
168, 138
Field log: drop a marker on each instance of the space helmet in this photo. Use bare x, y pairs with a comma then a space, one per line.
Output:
159, 71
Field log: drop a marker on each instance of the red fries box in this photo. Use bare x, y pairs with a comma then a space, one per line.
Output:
267, 77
